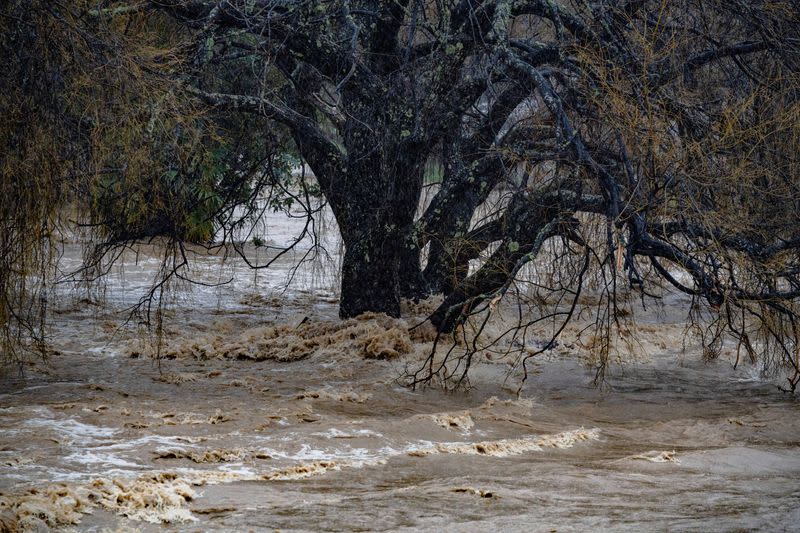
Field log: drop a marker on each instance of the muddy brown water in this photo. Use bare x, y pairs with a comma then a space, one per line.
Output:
98, 440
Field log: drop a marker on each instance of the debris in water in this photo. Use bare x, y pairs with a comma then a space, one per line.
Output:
136, 425
739, 422
371, 335
17, 460
476, 492
178, 418
339, 396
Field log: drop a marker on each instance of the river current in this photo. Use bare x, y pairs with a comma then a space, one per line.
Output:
265, 412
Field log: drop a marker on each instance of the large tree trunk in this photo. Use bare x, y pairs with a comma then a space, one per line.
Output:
370, 272
379, 265
382, 193
412, 281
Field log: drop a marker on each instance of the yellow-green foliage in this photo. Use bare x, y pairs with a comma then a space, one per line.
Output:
89, 112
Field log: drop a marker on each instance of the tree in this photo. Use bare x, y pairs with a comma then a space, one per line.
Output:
652, 140
375, 89
669, 130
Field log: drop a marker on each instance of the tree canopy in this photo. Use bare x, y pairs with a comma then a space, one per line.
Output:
632, 144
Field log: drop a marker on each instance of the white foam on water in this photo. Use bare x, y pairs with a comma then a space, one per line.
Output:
95, 457
74, 431
335, 433
508, 447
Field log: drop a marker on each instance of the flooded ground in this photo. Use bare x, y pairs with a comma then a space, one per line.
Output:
265, 412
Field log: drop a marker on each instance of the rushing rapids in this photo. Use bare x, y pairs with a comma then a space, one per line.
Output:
263, 410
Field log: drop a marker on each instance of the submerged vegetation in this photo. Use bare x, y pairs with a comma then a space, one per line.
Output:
634, 146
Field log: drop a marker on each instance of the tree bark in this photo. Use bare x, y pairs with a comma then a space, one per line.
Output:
528, 216
370, 273
412, 281
444, 272
381, 195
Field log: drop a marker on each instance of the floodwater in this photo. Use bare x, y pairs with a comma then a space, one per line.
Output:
255, 418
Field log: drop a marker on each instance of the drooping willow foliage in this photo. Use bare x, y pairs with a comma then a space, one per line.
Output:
100, 144
40, 152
